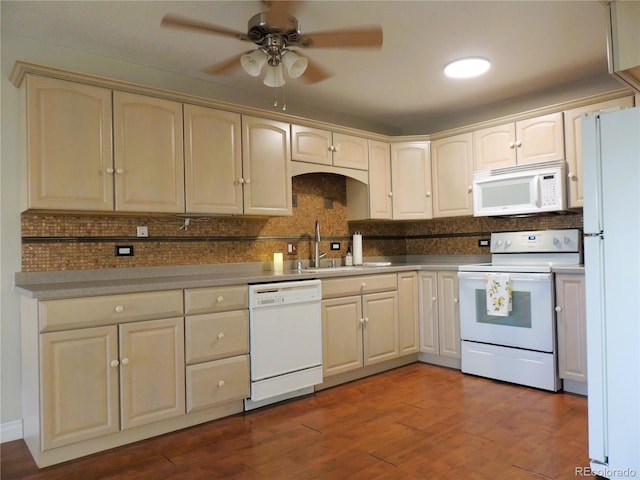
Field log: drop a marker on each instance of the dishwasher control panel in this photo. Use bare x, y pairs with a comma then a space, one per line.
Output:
283, 293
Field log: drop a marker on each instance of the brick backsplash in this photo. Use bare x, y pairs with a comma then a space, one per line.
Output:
74, 242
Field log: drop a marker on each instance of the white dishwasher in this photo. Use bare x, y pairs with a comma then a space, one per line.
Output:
285, 325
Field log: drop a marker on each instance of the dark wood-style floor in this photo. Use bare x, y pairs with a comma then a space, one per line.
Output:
415, 422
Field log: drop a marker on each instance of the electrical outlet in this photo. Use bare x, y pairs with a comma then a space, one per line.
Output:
142, 231
484, 242
335, 246
292, 248
124, 250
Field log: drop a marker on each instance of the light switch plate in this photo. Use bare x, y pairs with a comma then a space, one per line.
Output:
142, 231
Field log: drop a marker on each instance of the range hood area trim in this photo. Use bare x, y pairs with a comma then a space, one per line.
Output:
301, 168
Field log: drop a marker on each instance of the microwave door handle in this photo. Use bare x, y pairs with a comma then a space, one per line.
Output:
536, 190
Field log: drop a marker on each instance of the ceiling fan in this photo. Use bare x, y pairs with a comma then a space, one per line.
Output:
275, 31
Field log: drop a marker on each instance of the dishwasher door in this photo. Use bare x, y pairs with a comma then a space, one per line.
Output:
285, 337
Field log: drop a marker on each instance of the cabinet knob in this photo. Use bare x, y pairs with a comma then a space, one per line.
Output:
220, 335
433, 299
110, 170
558, 309
366, 319
115, 363
220, 383
512, 144
361, 320
363, 285
518, 144
125, 361
470, 188
428, 194
119, 171
241, 181
455, 300
119, 308
247, 181
572, 176
390, 194
220, 299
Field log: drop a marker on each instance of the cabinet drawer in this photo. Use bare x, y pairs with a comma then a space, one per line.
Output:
214, 383
109, 309
342, 287
216, 335
215, 299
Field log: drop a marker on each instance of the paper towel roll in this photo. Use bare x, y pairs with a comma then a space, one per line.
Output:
357, 249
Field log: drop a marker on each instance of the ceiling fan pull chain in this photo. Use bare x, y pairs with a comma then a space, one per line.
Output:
284, 101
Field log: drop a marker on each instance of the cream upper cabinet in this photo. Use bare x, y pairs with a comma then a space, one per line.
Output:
439, 313
573, 145
266, 167
213, 160
372, 200
411, 181
534, 140
69, 145
408, 336
452, 166
572, 328
148, 154
314, 145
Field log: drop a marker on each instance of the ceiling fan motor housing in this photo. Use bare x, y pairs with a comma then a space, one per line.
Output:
259, 31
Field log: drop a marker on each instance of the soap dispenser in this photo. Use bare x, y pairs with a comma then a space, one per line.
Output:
349, 258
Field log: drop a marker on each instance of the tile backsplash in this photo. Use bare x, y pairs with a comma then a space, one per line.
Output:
74, 242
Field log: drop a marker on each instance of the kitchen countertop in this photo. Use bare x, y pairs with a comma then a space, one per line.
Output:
83, 283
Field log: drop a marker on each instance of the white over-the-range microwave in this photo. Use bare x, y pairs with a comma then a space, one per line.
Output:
519, 190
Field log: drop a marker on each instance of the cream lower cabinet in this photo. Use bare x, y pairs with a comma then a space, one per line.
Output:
408, 325
359, 328
439, 313
217, 346
100, 380
573, 145
452, 173
571, 326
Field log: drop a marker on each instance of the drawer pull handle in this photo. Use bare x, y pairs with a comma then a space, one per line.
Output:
115, 363
220, 299
125, 361
220, 335
119, 308
221, 383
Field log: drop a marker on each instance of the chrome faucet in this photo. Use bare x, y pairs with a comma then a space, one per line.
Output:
317, 255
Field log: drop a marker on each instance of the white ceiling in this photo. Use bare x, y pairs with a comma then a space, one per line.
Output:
534, 46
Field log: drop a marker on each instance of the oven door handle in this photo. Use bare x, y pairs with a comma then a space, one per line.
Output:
527, 277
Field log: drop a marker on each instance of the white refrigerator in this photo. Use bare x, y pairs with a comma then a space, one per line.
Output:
611, 162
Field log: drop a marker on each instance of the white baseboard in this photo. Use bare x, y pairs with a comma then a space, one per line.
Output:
10, 431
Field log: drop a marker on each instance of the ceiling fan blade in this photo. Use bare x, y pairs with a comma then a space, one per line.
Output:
362, 37
314, 73
177, 21
280, 11
225, 67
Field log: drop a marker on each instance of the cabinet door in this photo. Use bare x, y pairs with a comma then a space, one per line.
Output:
148, 154
213, 161
79, 385
408, 312
411, 181
266, 166
573, 145
151, 371
452, 164
341, 335
350, 152
540, 139
448, 314
380, 334
429, 313
311, 145
494, 147
571, 321
69, 152
380, 180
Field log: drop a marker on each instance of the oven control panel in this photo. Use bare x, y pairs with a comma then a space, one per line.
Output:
540, 241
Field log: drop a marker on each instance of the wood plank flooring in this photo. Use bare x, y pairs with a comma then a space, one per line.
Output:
416, 422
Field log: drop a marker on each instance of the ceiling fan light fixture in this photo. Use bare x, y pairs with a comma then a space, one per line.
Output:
294, 63
274, 76
253, 62
467, 67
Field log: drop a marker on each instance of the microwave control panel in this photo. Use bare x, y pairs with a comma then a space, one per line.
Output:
549, 190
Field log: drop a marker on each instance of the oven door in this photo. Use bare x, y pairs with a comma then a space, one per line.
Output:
529, 325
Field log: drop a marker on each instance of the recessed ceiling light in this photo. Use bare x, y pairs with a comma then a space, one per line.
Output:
467, 67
